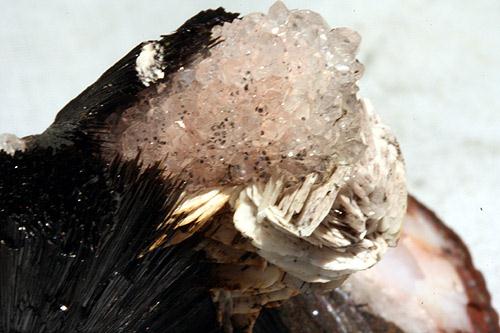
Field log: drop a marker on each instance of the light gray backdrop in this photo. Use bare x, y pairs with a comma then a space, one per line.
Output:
432, 72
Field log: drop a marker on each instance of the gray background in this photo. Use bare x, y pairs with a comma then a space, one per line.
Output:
432, 72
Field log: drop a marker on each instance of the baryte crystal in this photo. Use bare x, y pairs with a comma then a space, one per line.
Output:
11, 143
277, 95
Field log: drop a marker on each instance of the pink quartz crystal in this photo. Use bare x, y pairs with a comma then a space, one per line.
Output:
276, 95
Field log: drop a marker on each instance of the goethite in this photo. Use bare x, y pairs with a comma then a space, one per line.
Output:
280, 156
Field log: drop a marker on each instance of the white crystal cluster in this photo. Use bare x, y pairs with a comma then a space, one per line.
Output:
149, 63
11, 143
276, 95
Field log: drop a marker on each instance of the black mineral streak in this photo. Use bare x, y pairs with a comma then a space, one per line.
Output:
72, 231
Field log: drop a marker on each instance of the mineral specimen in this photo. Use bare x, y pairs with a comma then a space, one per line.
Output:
11, 143
267, 130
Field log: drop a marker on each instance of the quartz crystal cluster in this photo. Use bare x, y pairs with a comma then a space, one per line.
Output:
276, 95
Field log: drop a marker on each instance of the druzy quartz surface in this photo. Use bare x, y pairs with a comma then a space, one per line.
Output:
276, 94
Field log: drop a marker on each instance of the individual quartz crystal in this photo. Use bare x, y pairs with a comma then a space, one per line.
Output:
277, 95
11, 143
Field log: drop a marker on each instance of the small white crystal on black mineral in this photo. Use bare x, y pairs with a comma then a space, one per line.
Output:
11, 143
